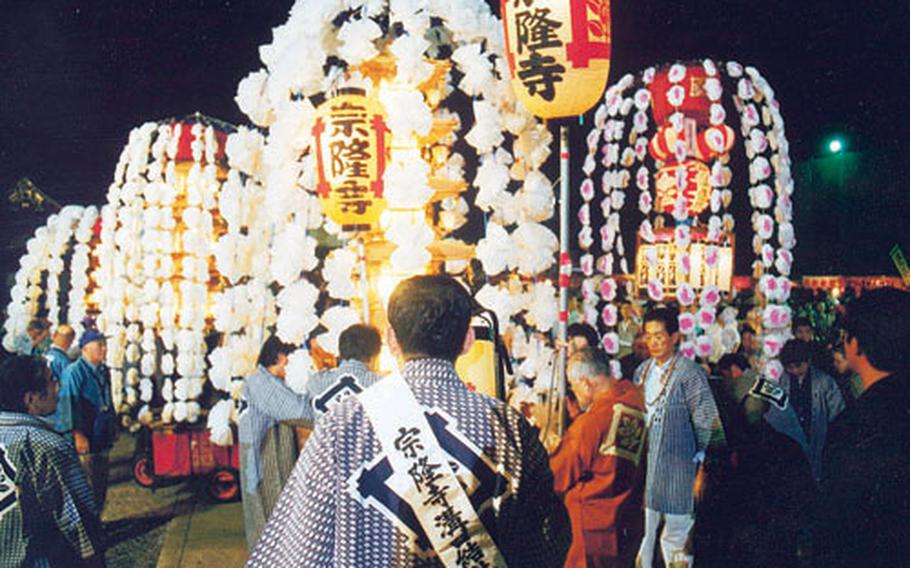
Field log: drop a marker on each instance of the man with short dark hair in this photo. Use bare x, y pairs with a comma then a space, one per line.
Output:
581, 335
268, 443
359, 347
47, 512
866, 489
417, 469
821, 356
749, 346
86, 412
596, 465
815, 401
682, 422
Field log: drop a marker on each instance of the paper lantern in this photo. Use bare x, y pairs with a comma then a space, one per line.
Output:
710, 264
558, 52
692, 100
351, 155
691, 179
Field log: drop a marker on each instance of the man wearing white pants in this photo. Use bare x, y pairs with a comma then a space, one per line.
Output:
682, 421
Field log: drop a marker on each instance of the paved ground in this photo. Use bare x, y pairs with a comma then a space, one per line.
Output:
171, 526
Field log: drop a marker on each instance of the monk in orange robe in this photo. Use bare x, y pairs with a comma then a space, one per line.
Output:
597, 466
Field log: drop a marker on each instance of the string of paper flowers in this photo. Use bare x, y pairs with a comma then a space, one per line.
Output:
667, 130
62, 244
431, 67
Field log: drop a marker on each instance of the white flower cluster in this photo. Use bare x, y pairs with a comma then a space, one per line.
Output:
620, 136
66, 232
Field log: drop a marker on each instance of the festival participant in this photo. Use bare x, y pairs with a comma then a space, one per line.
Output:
596, 465
815, 401
36, 338
58, 357
268, 443
821, 356
682, 421
763, 509
374, 485
359, 347
866, 488
581, 335
848, 381
47, 513
57, 354
636, 357
86, 413
748, 345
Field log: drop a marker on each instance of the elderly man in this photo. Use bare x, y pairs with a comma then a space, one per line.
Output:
58, 357
359, 347
596, 465
866, 488
417, 469
815, 401
47, 513
268, 444
682, 421
86, 414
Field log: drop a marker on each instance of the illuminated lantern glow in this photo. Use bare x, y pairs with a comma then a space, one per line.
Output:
665, 267
558, 53
351, 155
696, 190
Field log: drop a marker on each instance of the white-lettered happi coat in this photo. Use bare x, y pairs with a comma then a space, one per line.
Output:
690, 424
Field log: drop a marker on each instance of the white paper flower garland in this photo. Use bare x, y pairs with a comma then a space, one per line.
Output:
68, 232
622, 128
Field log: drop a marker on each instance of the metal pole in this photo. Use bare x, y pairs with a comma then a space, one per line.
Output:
565, 270
364, 282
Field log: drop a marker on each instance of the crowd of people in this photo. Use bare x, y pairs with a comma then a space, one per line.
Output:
669, 462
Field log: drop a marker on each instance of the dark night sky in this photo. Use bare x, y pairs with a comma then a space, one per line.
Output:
75, 77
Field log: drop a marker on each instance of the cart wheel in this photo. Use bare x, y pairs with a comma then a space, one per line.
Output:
142, 471
223, 485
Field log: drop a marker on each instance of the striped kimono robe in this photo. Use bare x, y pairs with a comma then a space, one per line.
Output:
690, 423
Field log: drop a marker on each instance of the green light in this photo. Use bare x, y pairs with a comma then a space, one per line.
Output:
835, 146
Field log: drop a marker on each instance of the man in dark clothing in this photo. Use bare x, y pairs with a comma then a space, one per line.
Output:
47, 514
862, 514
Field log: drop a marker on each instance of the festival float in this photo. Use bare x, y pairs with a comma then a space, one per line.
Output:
679, 151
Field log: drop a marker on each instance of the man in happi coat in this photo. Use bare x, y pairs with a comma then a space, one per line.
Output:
815, 401
348, 503
359, 347
268, 442
682, 422
596, 465
47, 511
86, 412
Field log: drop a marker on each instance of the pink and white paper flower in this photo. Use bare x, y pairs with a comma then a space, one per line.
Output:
685, 294
608, 290
710, 296
686, 323
687, 349
655, 290
706, 317
772, 344
704, 346
774, 370
609, 315
610, 343
775, 316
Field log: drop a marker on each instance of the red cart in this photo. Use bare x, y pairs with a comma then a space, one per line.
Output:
172, 451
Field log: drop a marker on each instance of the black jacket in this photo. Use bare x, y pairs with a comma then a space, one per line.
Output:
863, 518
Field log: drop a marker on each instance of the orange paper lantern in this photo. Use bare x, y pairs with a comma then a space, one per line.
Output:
351, 153
558, 53
691, 178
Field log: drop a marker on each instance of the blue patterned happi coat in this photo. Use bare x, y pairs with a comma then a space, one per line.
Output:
337, 510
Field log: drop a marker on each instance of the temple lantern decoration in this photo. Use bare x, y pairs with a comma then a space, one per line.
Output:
558, 53
700, 265
689, 179
351, 154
